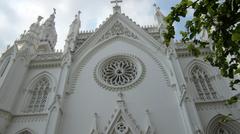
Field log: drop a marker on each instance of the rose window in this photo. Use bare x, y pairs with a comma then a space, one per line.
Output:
118, 72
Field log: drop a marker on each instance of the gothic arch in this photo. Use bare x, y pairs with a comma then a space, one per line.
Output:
86, 55
38, 92
42, 74
195, 62
217, 126
25, 131
199, 76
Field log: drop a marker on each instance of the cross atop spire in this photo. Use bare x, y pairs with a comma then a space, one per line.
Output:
116, 8
116, 2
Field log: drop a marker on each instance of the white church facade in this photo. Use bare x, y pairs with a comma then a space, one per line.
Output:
118, 79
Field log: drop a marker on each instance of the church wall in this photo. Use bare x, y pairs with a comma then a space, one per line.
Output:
153, 93
12, 84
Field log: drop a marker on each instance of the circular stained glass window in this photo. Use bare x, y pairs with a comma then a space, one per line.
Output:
119, 72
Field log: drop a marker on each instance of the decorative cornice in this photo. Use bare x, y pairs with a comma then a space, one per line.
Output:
32, 117
213, 105
46, 60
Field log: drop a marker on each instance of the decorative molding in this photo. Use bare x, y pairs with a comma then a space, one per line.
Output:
46, 60
213, 105
33, 117
116, 30
140, 70
48, 57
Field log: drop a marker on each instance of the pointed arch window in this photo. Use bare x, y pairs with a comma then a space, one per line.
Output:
38, 95
25, 131
4, 65
203, 83
217, 126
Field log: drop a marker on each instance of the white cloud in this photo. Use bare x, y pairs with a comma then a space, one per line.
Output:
18, 15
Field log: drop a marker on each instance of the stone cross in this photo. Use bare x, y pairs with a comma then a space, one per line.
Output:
116, 2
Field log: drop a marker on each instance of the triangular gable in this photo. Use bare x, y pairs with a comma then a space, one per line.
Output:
120, 25
122, 122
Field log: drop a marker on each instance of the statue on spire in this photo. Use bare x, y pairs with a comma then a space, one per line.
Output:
73, 31
161, 22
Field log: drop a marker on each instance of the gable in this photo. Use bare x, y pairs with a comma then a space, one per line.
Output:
120, 25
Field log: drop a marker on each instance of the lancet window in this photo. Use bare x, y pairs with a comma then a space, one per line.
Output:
203, 83
24, 132
38, 95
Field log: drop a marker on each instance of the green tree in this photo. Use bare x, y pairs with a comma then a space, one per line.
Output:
221, 20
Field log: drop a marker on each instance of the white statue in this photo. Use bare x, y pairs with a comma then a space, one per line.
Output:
161, 22
74, 30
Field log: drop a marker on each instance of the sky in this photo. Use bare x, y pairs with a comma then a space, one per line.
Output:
17, 15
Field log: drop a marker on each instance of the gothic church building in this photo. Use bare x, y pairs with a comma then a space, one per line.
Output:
117, 79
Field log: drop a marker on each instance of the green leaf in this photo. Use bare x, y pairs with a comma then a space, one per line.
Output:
236, 37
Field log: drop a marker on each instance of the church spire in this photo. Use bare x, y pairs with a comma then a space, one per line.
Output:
116, 8
48, 35
73, 31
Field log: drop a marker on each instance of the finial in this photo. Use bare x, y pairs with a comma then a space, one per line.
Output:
120, 94
39, 18
79, 12
54, 10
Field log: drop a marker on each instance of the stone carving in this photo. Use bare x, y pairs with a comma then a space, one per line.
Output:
121, 121
116, 30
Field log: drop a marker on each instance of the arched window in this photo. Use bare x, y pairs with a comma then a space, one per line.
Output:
217, 126
202, 83
25, 132
4, 65
38, 95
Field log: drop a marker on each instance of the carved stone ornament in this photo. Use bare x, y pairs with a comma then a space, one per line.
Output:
118, 29
119, 72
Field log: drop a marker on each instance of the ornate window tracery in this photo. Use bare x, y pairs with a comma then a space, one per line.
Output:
119, 72
38, 95
4, 65
203, 84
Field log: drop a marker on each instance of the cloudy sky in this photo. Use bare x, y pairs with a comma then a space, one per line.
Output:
17, 15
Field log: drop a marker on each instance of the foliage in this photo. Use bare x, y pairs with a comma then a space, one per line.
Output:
221, 20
